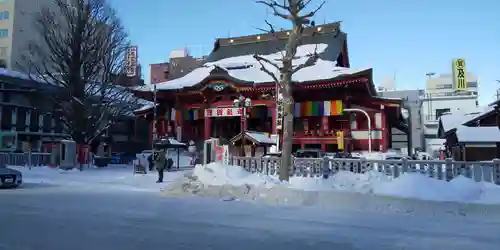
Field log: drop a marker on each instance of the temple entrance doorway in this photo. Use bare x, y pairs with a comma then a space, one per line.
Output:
226, 128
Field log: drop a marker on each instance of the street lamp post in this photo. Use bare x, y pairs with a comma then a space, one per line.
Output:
243, 103
498, 91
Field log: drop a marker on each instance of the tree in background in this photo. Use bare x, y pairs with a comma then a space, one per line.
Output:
80, 47
295, 12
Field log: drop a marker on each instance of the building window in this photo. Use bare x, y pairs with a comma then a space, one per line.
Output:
47, 123
6, 118
4, 33
440, 112
444, 86
3, 52
34, 120
6, 96
4, 15
21, 119
472, 84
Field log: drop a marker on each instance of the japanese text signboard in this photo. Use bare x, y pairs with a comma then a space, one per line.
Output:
223, 112
459, 74
279, 111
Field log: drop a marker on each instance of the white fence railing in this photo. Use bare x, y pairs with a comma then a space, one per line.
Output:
24, 159
488, 171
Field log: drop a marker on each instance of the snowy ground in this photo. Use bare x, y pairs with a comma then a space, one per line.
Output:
113, 177
134, 220
111, 208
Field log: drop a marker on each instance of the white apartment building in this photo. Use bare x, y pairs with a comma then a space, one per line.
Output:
16, 28
441, 97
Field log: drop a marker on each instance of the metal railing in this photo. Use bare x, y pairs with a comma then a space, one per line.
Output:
24, 159
488, 171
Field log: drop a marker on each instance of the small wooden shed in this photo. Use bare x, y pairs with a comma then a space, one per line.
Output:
252, 139
473, 143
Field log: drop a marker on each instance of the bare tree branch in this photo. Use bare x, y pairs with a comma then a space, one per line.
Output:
312, 13
270, 30
311, 61
79, 46
279, 10
261, 59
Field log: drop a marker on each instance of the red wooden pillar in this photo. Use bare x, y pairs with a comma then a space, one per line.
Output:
207, 131
384, 142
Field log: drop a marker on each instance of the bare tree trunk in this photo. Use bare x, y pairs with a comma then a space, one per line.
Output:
286, 159
289, 10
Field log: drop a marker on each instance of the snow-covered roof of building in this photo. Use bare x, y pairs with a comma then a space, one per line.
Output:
494, 103
171, 141
486, 111
261, 137
255, 137
452, 120
239, 62
145, 108
477, 134
14, 74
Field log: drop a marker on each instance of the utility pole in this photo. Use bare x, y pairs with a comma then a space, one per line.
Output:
155, 118
498, 91
429, 107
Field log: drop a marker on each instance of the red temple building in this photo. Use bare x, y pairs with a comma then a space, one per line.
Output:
331, 99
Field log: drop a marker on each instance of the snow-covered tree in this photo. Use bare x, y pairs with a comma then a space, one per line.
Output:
80, 46
296, 12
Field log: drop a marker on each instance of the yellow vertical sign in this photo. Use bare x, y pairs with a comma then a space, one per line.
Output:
340, 140
459, 74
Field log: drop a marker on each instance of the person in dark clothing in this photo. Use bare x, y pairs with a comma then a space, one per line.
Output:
150, 161
159, 158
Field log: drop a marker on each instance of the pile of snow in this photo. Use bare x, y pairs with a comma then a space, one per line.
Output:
234, 182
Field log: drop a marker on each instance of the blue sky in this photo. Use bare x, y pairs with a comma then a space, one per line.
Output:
402, 38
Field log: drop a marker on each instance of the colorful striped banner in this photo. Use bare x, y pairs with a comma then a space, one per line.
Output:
192, 115
318, 108
173, 114
336, 108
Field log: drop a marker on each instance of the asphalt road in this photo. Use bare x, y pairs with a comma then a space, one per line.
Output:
58, 219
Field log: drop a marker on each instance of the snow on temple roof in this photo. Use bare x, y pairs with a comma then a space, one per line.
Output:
261, 137
478, 134
247, 68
